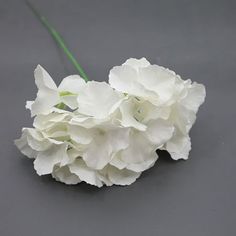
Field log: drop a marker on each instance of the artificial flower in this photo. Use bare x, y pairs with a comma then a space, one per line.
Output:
108, 133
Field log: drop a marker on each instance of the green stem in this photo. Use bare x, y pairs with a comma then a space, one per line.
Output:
56, 36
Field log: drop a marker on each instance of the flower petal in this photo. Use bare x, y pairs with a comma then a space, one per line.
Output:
183, 118
85, 173
195, 97
125, 79
144, 165
98, 100
63, 174
159, 131
36, 140
80, 134
117, 162
118, 139
23, 146
99, 152
137, 63
159, 80
149, 112
139, 155
70, 101
122, 177
43, 122
179, 147
73, 84
128, 109
47, 95
46, 160
102, 175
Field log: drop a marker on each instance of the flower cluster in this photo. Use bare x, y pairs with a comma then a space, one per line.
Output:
108, 133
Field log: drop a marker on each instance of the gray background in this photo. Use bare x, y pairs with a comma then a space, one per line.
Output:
184, 198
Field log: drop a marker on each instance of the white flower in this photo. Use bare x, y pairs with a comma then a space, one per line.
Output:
49, 95
158, 102
73, 153
102, 154
105, 134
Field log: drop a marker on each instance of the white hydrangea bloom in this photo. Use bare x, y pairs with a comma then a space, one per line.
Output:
156, 95
73, 153
105, 134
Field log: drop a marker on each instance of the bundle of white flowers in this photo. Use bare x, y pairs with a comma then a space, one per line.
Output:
105, 134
